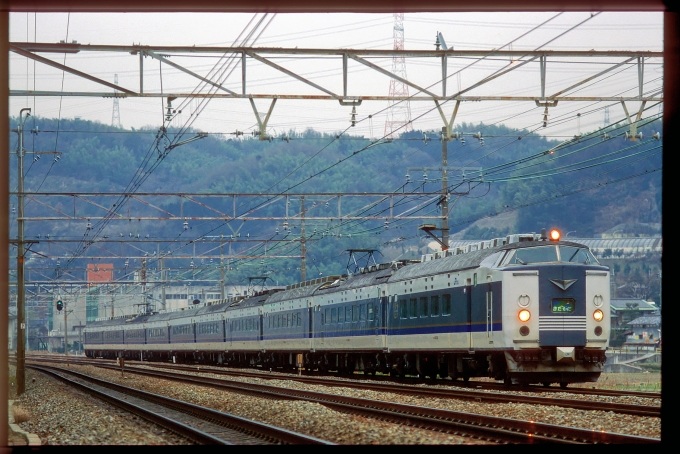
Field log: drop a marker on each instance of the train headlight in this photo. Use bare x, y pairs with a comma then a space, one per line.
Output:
555, 235
523, 300
524, 315
598, 300
598, 315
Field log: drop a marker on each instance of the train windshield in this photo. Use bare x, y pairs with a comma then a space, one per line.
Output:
546, 254
528, 255
576, 255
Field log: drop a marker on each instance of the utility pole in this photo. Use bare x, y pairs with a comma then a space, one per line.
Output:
21, 291
164, 274
222, 294
303, 244
66, 312
445, 187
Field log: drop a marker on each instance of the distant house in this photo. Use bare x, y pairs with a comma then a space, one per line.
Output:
624, 310
645, 330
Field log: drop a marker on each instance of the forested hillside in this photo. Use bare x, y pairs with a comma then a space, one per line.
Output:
514, 181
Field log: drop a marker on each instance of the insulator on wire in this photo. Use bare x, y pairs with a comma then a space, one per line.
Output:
425, 139
353, 120
408, 178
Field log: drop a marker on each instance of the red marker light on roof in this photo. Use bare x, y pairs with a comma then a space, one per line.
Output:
554, 235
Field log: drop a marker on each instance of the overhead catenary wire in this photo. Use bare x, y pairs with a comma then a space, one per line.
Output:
336, 139
361, 150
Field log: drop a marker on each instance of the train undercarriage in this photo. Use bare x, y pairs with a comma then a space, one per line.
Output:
545, 366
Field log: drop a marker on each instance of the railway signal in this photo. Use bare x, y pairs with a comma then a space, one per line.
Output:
60, 305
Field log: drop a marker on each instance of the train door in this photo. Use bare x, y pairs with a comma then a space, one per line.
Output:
261, 325
310, 311
489, 312
322, 324
468, 311
381, 321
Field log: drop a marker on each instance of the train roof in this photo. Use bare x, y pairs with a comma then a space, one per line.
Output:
366, 277
452, 260
443, 263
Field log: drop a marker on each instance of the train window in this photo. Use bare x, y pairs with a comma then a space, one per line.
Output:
362, 312
355, 313
288, 321
370, 313
348, 314
403, 312
413, 308
424, 307
434, 306
576, 255
328, 316
446, 304
341, 315
528, 255
334, 315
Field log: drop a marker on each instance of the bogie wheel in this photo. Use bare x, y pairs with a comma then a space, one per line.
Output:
546, 384
563, 385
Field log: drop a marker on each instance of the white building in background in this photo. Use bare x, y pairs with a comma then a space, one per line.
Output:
179, 296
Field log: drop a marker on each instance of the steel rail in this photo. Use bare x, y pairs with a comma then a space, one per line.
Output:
245, 430
481, 426
476, 395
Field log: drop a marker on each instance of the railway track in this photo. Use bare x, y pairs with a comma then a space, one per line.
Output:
200, 424
487, 428
477, 395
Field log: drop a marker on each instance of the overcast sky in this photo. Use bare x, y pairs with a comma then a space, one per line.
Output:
464, 31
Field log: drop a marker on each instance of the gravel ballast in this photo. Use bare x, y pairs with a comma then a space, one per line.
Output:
62, 417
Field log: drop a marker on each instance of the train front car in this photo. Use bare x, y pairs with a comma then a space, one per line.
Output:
556, 311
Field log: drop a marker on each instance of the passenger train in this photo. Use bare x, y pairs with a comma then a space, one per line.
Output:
527, 308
